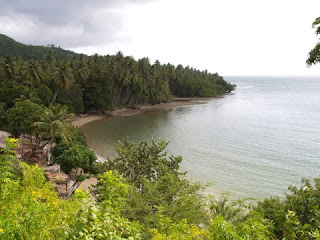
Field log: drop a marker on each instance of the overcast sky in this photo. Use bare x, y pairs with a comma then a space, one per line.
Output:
231, 37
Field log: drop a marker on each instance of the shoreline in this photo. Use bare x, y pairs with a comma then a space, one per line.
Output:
80, 120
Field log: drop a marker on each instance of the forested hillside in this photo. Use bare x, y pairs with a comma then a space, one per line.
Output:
9, 47
98, 83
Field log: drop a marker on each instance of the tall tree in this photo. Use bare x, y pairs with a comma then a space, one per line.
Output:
32, 73
62, 79
314, 54
80, 69
9, 68
56, 121
21, 117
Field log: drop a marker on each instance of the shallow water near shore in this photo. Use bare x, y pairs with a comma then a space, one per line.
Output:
254, 142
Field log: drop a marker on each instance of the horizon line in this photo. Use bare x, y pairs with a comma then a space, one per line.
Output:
270, 75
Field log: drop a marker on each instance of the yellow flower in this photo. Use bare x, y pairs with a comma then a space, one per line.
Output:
1, 230
79, 190
13, 140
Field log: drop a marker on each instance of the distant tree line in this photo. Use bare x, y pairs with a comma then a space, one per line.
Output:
101, 82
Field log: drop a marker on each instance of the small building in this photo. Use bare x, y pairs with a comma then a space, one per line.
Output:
60, 181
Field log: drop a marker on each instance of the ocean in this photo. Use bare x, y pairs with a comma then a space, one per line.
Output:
252, 143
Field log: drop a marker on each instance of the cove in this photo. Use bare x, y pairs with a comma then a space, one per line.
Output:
254, 142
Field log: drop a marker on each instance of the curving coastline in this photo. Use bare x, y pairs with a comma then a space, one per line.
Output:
79, 120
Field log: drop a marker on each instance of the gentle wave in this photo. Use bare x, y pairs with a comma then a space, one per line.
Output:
252, 143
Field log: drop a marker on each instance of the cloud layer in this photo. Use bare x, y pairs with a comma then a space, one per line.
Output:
72, 23
231, 37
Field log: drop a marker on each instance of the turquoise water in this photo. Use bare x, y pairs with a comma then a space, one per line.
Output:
254, 142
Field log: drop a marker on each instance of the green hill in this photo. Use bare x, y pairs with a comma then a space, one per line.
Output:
9, 47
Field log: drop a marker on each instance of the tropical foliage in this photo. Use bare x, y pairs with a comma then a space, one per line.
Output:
314, 54
31, 209
85, 83
74, 154
21, 117
297, 216
55, 121
142, 161
164, 207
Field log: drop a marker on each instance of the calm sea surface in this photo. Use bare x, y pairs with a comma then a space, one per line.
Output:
254, 142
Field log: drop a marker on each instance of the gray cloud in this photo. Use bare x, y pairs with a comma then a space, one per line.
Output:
68, 23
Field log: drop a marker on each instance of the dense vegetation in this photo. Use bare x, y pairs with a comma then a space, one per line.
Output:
314, 54
85, 83
9, 47
145, 202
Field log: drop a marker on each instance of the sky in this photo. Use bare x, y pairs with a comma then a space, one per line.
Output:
230, 37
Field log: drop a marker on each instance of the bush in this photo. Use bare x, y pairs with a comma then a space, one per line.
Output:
74, 156
298, 215
31, 209
21, 117
144, 160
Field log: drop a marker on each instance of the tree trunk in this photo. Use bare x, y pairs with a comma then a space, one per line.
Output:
50, 160
73, 188
118, 97
54, 96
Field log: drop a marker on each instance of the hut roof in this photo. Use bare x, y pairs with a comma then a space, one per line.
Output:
57, 178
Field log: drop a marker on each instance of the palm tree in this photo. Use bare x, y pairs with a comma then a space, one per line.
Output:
80, 69
62, 80
56, 122
9, 67
29, 95
32, 73
230, 210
